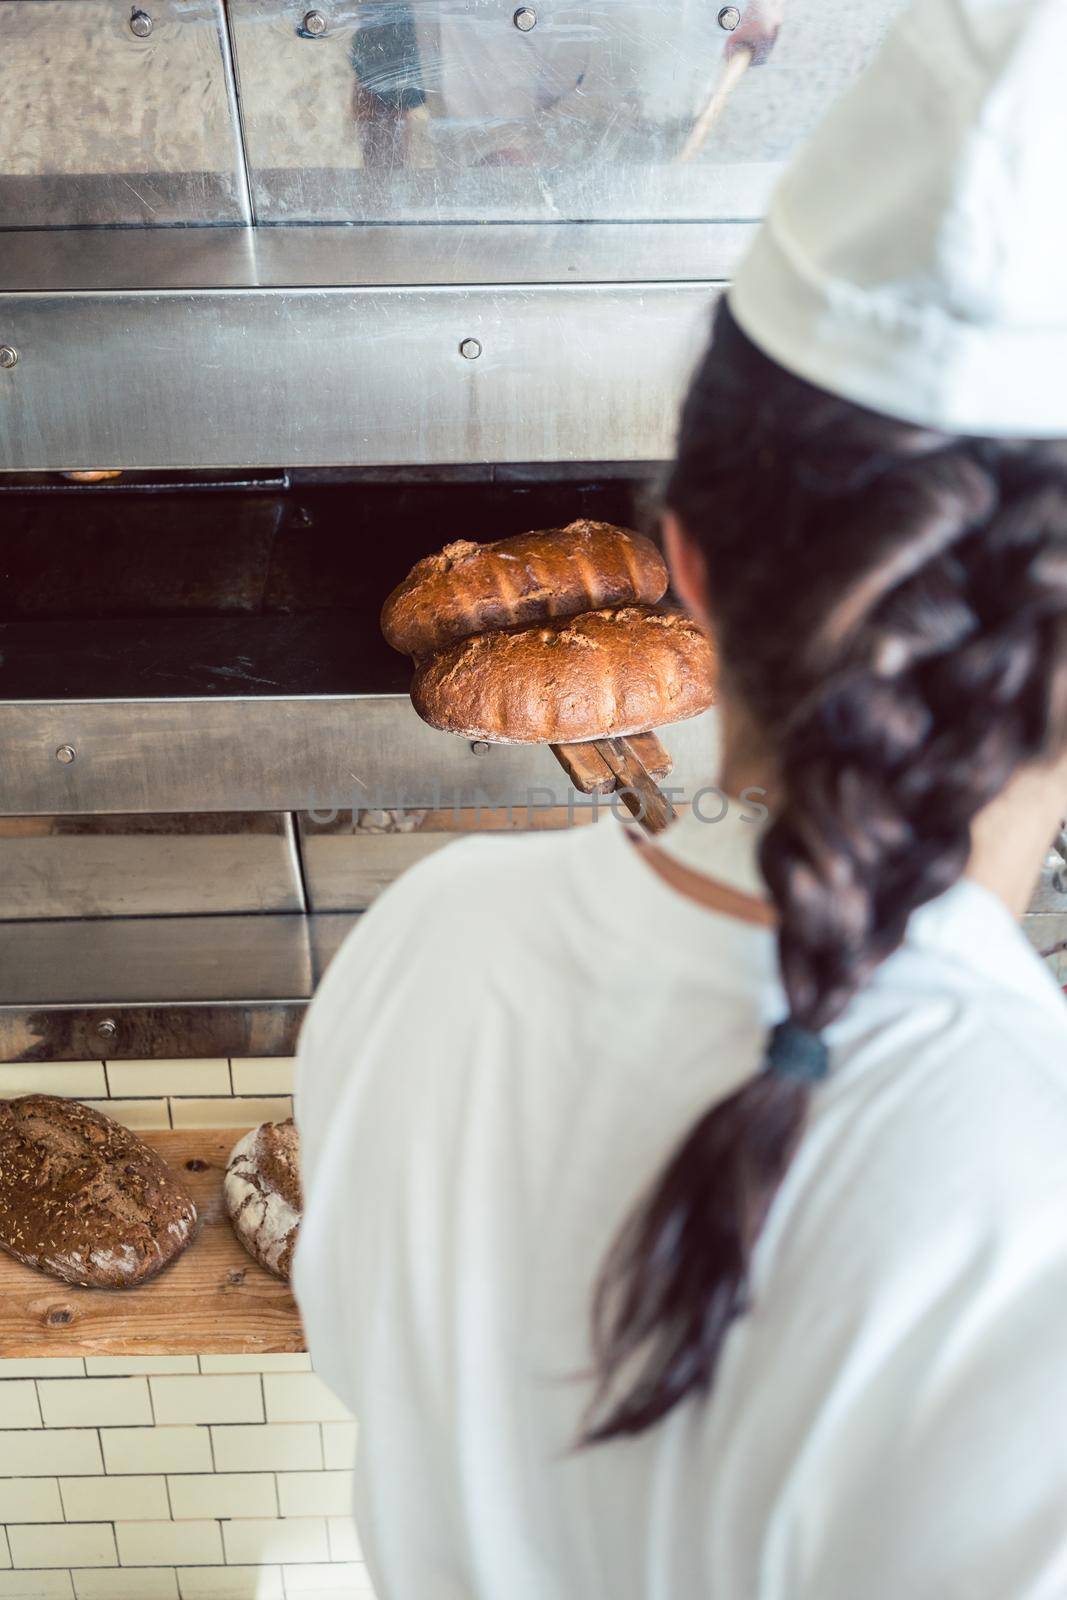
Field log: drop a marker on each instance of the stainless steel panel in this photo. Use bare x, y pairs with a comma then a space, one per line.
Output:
134, 988
148, 865
340, 377
144, 960
338, 753
349, 859
174, 1032
61, 261
99, 125
446, 110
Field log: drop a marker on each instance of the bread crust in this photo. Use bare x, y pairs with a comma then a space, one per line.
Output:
84, 1199
468, 588
262, 1193
603, 674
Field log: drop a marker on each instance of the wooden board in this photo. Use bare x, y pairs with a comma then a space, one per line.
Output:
213, 1299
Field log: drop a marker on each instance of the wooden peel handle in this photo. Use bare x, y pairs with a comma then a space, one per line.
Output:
640, 793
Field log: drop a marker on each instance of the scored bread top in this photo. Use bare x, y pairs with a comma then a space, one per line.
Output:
467, 588
603, 674
83, 1198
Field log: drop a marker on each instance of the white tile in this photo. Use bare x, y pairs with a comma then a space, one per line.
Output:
135, 1113
229, 1113
301, 1397
224, 1494
94, 1402
263, 1075
114, 1499
338, 1444
18, 1404
349, 1578
300, 1539
296, 1361
35, 1586
169, 1544
127, 1366
5, 1550
286, 1448
50, 1451
207, 1399
155, 1450
126, 1583
78, 1078
66, 1544
230, 1583
344, 1540
315, 1494
47, 1367
30, 1500
140, 1078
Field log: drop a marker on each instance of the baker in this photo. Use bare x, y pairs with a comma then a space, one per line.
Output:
690, 1219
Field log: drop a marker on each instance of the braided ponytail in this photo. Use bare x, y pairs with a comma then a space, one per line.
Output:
891, 610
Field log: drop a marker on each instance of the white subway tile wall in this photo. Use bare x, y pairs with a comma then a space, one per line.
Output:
174, 1477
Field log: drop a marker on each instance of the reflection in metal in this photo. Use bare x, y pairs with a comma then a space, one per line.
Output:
587, 373
438, 110
122, 866
175, 986
111, 117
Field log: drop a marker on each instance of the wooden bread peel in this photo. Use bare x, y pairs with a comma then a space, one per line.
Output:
731, 75
627, 766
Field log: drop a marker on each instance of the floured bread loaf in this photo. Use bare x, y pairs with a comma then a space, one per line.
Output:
600, 675
262, 1194
467, 588
84, 1199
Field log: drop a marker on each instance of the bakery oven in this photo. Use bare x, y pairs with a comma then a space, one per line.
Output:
288, 298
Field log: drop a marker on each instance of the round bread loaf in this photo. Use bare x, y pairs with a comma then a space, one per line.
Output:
600, 675
84, 1199
262, 1194
468, 588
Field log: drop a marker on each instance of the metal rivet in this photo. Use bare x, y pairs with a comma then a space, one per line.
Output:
470, 349
729, 18
107, 1029
8, 355
525, 18
480, 747
140, 24
66, 753
315, 24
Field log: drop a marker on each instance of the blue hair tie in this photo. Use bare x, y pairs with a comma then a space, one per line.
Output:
797, 1053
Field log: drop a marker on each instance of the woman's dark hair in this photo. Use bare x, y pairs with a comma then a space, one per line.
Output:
890, 605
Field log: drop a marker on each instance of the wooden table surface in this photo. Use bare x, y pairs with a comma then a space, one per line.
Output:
213, 1299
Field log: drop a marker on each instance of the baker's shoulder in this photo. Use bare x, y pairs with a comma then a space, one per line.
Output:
499, 874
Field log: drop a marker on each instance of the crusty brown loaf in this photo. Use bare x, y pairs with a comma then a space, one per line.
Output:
602, 674
263, 1196
84, 1199
468, 588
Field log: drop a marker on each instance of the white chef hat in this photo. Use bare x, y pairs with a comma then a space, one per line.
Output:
914, 258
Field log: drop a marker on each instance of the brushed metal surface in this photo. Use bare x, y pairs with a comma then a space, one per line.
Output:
339, 377
323, 755
61, 261
167, 1031
347, 870
444, 110
101, 126
144, 960
122, 866
176, 987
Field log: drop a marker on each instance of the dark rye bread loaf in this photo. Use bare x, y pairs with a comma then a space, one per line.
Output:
84, 1199
600, 675
262, 1194
468, 588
